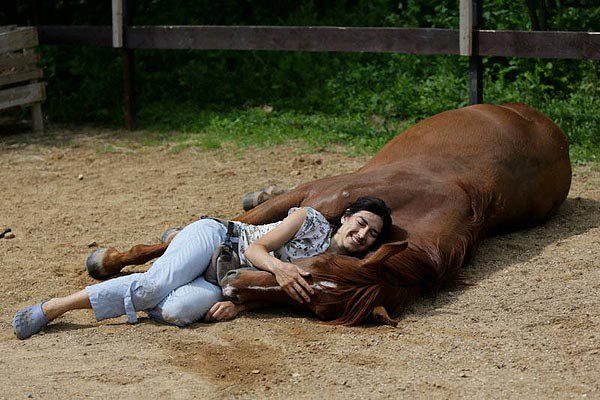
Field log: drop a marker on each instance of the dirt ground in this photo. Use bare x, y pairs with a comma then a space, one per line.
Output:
528, 328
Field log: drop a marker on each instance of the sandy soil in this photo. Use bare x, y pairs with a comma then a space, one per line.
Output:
528, 328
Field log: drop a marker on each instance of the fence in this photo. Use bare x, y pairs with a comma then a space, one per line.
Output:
19, 73
470, 40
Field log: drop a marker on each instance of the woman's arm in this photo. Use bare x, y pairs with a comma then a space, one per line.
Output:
289, 276
226, 310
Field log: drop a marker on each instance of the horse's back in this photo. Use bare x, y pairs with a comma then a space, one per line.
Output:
512, 151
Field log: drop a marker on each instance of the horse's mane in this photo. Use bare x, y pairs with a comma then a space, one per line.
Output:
424, 266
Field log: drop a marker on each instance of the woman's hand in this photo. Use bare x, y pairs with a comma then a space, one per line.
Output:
291, 278
223, 311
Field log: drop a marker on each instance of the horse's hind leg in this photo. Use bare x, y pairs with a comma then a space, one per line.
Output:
104, 263
253, 199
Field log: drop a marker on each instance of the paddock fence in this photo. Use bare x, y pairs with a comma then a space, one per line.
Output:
20, 77
470, 40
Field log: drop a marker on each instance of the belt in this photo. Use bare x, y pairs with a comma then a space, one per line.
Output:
232, 239
226, 256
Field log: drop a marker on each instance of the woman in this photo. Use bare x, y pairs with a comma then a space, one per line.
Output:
174, 290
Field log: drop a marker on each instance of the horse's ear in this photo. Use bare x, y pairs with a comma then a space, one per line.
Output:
385, 252
381, 316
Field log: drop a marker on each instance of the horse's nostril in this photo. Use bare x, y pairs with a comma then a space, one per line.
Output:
229, 291
229, 277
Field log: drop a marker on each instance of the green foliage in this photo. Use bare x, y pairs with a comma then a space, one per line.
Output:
81, 84
256, 126
361, 100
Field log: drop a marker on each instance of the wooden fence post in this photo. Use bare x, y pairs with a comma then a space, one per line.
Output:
117, 23
120, 18
37, 118
475, 60
465, 32
129, 86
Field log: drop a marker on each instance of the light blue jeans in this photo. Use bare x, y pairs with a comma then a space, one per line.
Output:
173, 289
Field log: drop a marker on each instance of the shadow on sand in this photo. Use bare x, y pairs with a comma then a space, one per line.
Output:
575, 217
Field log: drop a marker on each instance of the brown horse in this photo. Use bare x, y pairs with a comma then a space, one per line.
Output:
449, 180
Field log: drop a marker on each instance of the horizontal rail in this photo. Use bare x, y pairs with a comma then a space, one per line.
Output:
18, 39
546, 44
20, 76
20, 60
22, 95
83, 35
378, 40
578, 45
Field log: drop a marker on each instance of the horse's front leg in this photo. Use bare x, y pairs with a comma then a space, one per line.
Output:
104, 263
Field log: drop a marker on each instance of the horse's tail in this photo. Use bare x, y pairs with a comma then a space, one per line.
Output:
395, 275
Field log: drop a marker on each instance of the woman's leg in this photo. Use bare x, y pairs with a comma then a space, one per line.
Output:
30, 320
183, 306
186, 258
188, 303
56, 307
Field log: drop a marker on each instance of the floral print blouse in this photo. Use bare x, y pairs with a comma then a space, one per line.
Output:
313, 237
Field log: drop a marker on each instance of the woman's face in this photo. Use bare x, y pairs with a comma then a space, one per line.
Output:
359, 231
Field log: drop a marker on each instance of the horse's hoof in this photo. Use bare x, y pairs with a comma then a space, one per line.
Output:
93, 264
253, 199
170, 234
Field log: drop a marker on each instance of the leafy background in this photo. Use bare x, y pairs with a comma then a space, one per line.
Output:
207, 98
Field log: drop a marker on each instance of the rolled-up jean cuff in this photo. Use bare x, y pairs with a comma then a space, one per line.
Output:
107, 298
92, 297
100, 313
128, 304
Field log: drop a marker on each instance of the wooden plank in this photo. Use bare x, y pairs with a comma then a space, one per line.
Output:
548, 44
21, 60
476, 80
20, 76
20, 38
6, 28
466, 27
85, 35
400, 40
129, 86
128, 61
37, 118
22, 95
117, 23
475, 60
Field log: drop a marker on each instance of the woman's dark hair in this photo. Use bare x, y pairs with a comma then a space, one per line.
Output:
376, 206
371, 204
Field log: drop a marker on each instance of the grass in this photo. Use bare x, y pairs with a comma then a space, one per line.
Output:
188, 126
359, 101
264, 127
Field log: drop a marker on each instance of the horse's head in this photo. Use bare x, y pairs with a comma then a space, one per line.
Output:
350, 290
